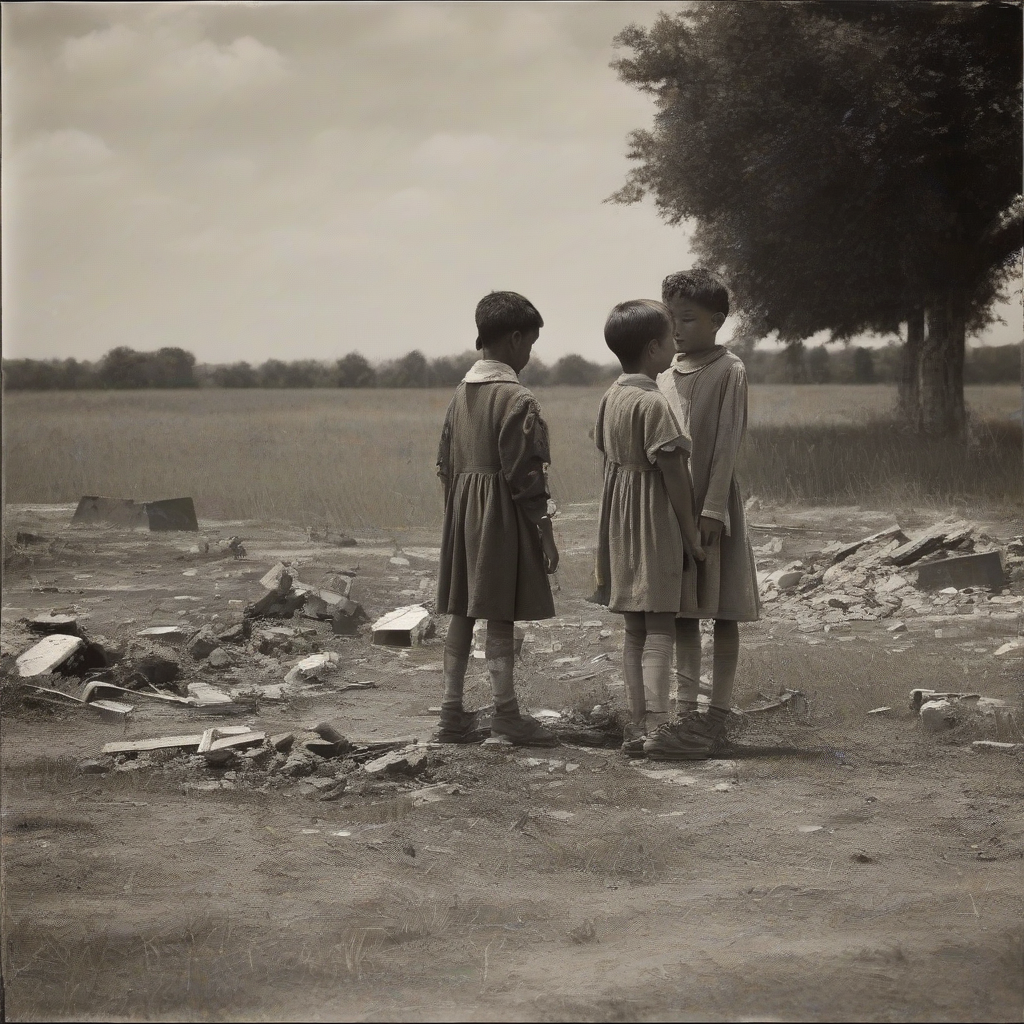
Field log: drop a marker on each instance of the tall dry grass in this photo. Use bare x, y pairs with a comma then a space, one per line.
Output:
363, 460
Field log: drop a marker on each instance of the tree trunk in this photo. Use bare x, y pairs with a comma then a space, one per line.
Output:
909, 385
942, 366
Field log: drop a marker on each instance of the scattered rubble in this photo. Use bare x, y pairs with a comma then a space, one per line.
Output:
950, 568
52, 623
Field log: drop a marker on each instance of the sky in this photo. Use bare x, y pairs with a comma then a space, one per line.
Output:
291, 180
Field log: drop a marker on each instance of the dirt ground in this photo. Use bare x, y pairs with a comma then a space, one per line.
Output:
842, 866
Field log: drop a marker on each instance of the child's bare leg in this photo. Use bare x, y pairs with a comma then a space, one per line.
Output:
456, 659
687, 664
657, 666
632, 666
727, 653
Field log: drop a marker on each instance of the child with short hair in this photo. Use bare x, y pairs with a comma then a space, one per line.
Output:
706, 387
497, 546
647, 526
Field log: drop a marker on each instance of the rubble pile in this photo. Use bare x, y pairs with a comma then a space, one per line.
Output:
951, 568
287, 595
318, 762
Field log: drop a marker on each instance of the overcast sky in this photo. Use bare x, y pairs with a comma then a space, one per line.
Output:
305, 180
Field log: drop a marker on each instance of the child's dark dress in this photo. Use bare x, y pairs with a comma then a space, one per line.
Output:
493, 458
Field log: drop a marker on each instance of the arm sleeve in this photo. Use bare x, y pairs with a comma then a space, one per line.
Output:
662, 432
525, 454
732, 425
444, 453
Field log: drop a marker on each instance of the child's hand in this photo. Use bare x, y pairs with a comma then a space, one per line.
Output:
547, 542
692, 546
710, 531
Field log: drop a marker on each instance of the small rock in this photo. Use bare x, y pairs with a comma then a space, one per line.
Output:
219, 658
91, 766
326, 731
897, 627
300, 762
283, 741
937, 715
409, 761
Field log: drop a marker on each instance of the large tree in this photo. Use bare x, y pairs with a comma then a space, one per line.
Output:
847, 166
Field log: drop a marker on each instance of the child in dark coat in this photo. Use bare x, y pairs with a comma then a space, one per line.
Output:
497, 546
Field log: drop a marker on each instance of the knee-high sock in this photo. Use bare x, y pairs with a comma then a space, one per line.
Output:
632, 665
727, 654
657, 665
456, 659
687, 663
499, 650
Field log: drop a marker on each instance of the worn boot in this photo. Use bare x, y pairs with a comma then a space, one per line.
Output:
694, 737
458, 726
518, 729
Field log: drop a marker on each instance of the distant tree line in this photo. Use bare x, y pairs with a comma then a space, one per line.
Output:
124, 368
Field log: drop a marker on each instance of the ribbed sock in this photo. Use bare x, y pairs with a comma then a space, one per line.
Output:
456, 660
657, 666
726, 657
499, 651
632, 666
687, 664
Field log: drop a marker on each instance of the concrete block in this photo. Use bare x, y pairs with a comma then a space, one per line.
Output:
937, 715
48, 655
409, 761
116, 511
172, 514
275, 579
403, 627
984, 570
50, 623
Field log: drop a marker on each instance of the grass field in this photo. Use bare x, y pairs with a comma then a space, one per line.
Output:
363, 460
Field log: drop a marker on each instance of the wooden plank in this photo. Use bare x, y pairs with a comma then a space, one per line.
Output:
155, 743
245, 739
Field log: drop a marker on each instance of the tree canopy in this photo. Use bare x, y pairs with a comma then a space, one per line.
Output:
845, 164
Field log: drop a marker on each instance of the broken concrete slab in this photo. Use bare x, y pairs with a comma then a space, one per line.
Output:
982, 570
278, 579
1009, 647
48, 655
237, 633
219, 745
172, 514
115, 511
316, 666
165, 633
403, 627
154, 743
937, 715
283, 741
890, 533
992, 747
204, 695
50, 623
409, 761
929, 541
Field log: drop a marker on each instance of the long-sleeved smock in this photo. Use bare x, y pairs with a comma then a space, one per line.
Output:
492, 461
708, 394
640, 546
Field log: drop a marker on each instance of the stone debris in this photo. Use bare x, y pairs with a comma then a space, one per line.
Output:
48, 655
403, 627
286, 595
993, 747
943, 711
52, 623
949, 569
165, 633
203, 644
316, 666
410, 760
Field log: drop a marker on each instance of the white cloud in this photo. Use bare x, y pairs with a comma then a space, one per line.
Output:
204, 66
64, 151
107, 50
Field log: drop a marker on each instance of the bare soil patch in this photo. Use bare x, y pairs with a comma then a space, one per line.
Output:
836, 866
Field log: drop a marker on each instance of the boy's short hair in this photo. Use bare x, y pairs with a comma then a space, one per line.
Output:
501, 313
631, 325
699, 285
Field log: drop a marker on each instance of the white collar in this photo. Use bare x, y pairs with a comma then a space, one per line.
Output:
636, 380
484, 371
